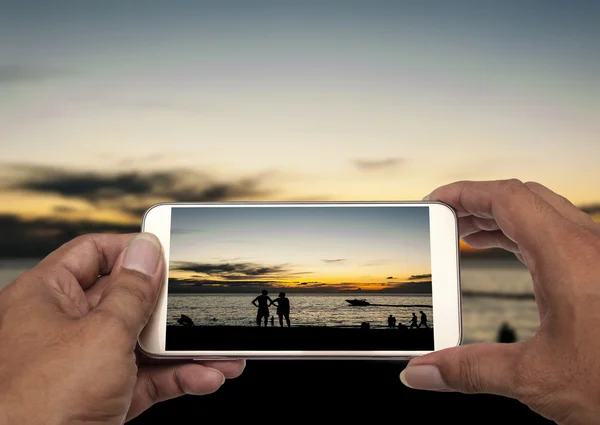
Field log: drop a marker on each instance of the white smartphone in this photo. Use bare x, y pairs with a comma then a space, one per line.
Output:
305, 280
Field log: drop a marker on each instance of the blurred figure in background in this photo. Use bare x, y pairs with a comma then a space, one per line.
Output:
506, 333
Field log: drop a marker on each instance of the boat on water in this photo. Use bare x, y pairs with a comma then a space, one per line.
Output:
358, 302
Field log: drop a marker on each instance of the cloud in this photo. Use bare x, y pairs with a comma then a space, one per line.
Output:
37, 238
335, 260
420, 276
131, 192
378, 164
591, 209
235, 271
390, 277
14, 74
410, 287
62, 209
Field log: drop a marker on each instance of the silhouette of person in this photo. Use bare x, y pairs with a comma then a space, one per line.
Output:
423, 320
283, 308
272, 320
506, 334
393, 322
185, 320
413, 321
390, 321
263, 302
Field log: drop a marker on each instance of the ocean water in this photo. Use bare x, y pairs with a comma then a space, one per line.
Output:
305, 309
482, 316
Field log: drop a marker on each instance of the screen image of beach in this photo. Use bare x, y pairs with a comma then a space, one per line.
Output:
311, 278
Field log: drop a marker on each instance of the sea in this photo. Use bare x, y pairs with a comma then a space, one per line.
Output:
484, 311
305, 309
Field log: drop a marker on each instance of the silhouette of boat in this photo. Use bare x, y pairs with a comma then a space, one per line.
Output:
358, 302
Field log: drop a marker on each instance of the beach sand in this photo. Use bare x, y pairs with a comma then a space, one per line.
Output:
296, 338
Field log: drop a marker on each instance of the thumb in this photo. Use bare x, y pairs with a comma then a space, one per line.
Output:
134, 283
477, 368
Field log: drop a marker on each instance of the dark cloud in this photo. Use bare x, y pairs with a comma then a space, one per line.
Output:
132, 192
420, 276
234, 271
61, 209
410, 288
208, 285
37, 238
390, 277
334, 260
591, 209
13, 74
378, 164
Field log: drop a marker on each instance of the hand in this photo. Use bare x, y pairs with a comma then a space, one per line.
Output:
557, 372
68, 333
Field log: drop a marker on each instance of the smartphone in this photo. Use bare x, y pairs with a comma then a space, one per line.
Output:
305, 280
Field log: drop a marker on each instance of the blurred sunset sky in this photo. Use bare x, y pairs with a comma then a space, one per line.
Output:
108, 107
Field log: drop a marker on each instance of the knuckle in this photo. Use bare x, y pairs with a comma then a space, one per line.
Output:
134, 287
151, 388
533, 185
84, 239
512, 185
178, 381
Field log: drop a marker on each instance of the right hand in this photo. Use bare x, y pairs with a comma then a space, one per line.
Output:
556, 372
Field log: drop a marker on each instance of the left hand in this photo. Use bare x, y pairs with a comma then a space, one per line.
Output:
68, 333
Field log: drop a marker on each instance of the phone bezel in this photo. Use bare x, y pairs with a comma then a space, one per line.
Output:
446, 296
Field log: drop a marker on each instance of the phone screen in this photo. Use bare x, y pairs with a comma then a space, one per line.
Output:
300, 278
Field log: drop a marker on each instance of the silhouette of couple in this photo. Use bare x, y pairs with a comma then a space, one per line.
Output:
263, 302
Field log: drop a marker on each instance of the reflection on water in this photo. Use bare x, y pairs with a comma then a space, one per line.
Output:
482, 317
305, 309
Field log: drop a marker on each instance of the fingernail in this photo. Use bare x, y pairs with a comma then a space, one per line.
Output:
143, 254
426, 198
426, 377
216, 372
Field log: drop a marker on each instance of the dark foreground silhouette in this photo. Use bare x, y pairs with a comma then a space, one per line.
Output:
341, 392
297, 338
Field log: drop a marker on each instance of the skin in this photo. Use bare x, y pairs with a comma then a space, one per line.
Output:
68, 333
555, 372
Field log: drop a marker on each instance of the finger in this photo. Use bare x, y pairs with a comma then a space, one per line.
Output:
230, 369
564, 206
131, 293
472, 224
94, 292
523, 216
477, 368
485, 240
87, 257
156, 384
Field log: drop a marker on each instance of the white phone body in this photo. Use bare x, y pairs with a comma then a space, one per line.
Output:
445, 285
